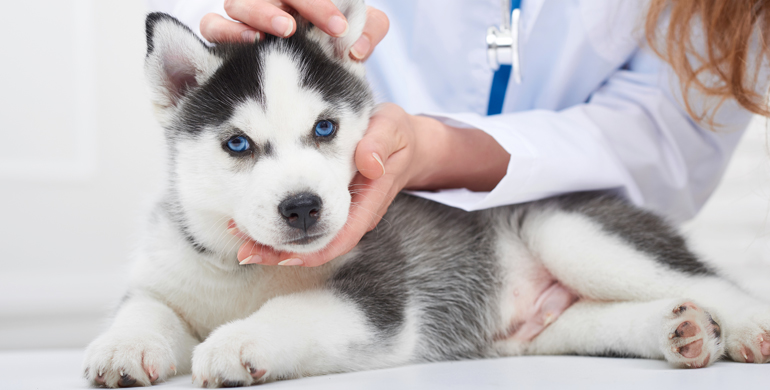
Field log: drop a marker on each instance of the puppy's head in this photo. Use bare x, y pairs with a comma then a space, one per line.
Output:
260, 133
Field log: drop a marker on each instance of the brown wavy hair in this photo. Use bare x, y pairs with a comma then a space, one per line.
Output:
731, 31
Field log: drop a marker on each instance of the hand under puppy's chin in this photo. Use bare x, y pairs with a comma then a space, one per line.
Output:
305, 245
301, 244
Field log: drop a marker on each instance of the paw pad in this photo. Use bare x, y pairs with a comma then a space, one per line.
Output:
686, 329
255, 373
694, 336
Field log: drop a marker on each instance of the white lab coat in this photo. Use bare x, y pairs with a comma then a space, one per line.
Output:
593, 111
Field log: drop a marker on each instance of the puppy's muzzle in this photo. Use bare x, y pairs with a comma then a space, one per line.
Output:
301, 211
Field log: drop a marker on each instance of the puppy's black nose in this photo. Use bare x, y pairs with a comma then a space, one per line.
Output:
301, 211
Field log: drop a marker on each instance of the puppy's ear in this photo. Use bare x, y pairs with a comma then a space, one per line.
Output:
177, 62
339, 48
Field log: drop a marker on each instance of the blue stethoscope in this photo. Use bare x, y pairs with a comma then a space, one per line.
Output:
503, 54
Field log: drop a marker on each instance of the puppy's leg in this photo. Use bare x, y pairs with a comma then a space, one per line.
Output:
146, 342
596, 263
745, 320
599, 264
303, 334
678, 330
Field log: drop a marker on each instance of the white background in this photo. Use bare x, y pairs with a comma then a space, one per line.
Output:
81, 160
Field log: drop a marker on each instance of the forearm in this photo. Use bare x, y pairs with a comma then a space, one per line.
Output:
450, 157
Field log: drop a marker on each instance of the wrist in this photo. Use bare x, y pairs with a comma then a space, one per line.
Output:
430, 145
449, 157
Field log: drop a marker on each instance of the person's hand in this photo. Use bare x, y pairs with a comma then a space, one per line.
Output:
387, 162
272, 17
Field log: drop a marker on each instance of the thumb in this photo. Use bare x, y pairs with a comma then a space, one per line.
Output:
382, 139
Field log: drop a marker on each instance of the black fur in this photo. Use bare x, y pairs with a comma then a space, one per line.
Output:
453, 283
177, 217
149, 27
240, 77
645, 231
439, 260
375, 281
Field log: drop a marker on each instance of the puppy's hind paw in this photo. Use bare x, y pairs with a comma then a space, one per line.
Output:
691, 337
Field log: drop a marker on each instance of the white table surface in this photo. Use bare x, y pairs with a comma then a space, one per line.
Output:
61, 370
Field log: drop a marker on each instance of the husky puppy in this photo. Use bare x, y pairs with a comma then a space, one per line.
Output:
264, 134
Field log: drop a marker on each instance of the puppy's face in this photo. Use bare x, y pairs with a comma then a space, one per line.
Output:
262, 134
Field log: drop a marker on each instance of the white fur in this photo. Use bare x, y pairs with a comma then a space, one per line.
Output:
285, 322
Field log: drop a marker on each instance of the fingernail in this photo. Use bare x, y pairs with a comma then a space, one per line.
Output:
250, 36
337, 26
253, 259
233, 231
291, 262
282, 23
379, 160
361, 48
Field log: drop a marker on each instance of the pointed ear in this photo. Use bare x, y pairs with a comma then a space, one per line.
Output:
177, 62
339, 48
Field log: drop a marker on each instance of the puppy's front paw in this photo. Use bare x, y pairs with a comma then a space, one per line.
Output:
749, 342
237, 354
692, 338
127, 359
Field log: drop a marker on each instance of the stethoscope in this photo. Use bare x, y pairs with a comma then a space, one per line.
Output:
503, 54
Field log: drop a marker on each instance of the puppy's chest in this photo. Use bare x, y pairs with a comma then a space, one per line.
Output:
206, 298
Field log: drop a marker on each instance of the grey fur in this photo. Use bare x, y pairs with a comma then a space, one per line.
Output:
437, 258
440, 259
644, 230
433, 274
433, 257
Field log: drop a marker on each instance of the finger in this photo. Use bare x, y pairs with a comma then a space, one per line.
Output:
365, 212
323, 14
377, 25
251, 252
359, 220
261, 16
381, 213
384, 205
382, 139
215, 28
364, 203
232, 228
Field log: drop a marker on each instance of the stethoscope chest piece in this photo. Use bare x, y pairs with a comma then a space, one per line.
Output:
503, 43
499, 47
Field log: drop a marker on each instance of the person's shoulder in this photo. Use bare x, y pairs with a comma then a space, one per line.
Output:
614, 28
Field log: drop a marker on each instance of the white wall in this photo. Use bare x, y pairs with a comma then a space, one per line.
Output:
81, 159
733, 229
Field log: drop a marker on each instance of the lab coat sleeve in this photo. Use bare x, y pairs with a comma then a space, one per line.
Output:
632, 136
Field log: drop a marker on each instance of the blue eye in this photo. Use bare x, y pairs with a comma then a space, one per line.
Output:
238, 144
324, 128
